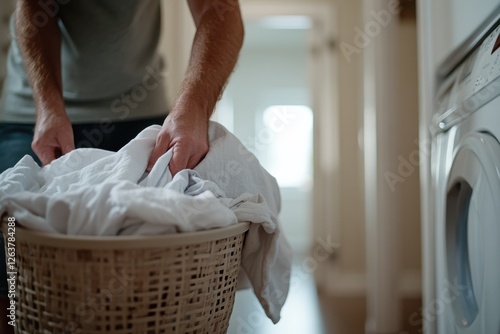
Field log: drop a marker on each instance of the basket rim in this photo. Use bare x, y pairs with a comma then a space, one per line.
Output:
126, 241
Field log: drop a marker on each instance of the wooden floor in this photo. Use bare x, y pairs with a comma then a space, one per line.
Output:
347, 315
309, 312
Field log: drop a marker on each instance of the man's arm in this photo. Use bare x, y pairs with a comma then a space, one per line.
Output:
216, 45
41, 50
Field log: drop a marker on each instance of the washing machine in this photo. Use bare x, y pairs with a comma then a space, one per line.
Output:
465, 174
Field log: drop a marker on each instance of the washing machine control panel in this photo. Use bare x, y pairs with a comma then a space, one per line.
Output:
484, 65
475, 82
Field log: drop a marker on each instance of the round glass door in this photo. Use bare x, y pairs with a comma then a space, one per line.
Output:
473, 234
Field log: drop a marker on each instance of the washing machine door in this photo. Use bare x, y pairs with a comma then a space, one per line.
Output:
472, 301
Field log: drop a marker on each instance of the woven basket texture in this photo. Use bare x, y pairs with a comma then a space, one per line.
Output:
179, 289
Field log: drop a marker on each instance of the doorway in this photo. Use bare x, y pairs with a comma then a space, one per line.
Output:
267, 105
273, 104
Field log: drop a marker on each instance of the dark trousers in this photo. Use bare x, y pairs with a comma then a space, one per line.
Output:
15, 142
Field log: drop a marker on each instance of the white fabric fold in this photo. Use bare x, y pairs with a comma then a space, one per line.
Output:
97, 192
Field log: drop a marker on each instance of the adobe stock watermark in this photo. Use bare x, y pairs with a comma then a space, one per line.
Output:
363, 38
123, 105
464, 108
222, 178
92, 306
48, 10
407, 166
279, 120
255, 319
436, 307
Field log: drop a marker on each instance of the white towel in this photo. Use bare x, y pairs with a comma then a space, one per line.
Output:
97, 192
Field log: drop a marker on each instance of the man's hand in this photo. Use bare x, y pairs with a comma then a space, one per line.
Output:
188, 137
53, 137
41, 50
216, 45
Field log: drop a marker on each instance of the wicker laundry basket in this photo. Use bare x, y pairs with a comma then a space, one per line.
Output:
183, 283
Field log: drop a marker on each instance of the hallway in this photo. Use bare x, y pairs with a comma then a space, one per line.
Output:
309, 311
301, 313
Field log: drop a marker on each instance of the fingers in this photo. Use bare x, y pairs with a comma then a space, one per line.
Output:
46, 155
188, 141
180, 159
161, 146
155, 155
184, 155
68, 145
187, 156
53, 137
65, 146
49, 150
44, 152
180, 156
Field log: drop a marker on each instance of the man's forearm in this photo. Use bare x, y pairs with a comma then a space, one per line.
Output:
41, 50
215, 50
214, 54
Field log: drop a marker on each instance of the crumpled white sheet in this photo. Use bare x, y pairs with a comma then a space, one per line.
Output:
97, 192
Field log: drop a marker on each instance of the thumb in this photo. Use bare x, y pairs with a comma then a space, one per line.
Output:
47, 155
66, 139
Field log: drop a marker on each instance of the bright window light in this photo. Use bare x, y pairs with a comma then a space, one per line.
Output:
289, 150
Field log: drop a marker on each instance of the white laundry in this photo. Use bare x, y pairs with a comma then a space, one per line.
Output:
97, 192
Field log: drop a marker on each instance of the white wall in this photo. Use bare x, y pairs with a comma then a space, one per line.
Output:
269, 75
453, 21
351, 257
175, 44
408, 139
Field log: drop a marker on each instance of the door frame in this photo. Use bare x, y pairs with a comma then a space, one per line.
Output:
324, 102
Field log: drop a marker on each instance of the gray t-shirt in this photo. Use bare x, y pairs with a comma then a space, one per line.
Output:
111, 69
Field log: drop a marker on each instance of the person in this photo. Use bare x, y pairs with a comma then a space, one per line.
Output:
87, 73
